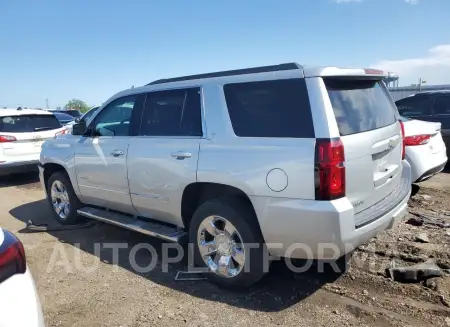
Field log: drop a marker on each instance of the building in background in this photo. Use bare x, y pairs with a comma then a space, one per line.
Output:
401, 92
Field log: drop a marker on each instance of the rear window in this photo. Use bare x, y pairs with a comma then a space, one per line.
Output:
276, 108
28, 123
360, 105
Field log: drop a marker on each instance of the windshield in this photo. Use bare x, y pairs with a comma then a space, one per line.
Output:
63, 117
360, 105
28, 123
89, 114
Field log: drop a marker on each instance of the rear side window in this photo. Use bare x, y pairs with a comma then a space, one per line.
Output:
277, 108
28, 123
415, 106
360, 105
172, 113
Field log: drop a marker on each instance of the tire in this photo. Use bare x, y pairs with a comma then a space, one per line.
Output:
240, 216
63, 184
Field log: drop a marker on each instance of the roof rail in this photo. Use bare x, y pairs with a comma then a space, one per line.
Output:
253, 70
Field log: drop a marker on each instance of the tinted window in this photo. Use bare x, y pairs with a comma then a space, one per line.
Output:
89, 114
415, 106
278, 108
28, 123
73, 113
360, 105
442, 105
115, 118
63, 118
172, 113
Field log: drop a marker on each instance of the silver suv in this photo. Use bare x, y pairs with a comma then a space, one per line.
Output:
302, 162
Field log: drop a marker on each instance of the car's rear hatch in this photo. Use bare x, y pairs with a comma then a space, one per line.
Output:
371, 135
22, 135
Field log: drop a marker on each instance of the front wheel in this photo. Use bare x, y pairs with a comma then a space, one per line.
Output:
228, 241
62, 198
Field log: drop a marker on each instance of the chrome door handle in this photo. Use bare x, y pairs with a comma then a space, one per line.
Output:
181, 155
117, 153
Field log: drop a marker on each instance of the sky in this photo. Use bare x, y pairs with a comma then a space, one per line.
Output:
90, 49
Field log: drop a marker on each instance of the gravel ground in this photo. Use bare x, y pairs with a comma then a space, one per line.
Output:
80, 286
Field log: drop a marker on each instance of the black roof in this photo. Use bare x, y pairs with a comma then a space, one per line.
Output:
432, 92
253, 70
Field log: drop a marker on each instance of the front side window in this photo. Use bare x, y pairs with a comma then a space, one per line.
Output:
172, 113
415, 106
115, 118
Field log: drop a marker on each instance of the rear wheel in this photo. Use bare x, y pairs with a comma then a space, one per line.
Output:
62, 199
227, 240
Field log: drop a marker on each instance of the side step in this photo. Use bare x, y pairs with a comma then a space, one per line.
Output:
154, 229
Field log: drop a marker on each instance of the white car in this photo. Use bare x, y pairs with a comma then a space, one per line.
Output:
425, 148
22, 133
19, 301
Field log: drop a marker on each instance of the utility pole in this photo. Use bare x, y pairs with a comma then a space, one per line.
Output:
46, 102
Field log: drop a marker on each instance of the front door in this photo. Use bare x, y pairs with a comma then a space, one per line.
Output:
101, 155
162, 159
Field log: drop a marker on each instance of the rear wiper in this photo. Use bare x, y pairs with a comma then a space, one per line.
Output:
37, 129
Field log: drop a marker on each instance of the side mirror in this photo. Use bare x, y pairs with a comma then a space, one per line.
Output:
77, 120
79, 128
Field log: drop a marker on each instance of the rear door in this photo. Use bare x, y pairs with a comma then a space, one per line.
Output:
21, 136
162, 160
366, 118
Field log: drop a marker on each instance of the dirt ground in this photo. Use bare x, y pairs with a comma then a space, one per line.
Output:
90, 291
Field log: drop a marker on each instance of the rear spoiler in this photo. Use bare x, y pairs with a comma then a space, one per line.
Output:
368, 73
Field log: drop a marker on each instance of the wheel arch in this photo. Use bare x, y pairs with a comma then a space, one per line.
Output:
197, 193
51, 167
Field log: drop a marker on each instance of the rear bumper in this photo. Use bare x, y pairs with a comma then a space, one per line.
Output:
307, 229
20, 302
425, 164
17, 167
431, 172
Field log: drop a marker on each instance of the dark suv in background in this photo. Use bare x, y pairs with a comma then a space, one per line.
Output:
431, 106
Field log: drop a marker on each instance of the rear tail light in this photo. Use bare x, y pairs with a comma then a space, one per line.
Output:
329, 169
417, 140
12, 257
7, 138
403, 140
64, 131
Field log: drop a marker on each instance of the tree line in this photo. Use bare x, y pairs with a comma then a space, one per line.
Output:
78, 105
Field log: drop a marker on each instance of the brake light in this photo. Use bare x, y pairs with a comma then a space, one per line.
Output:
7, 138
64, 131
417, 140
402, 127
371, 71
329, 169
12, 257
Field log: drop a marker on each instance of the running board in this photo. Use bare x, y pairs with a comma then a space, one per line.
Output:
154, 229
